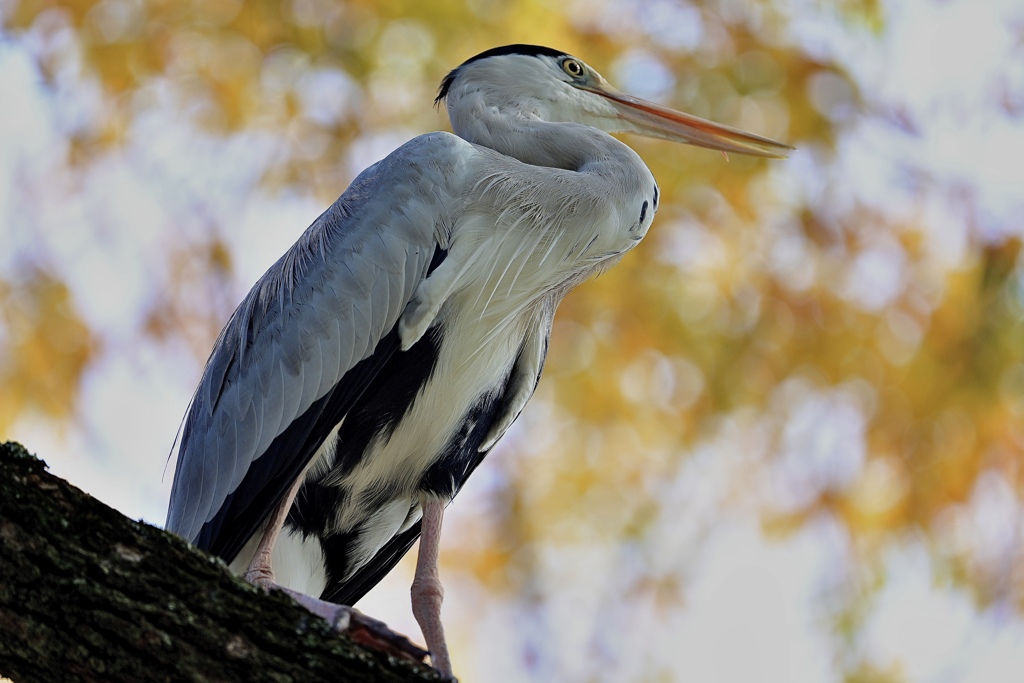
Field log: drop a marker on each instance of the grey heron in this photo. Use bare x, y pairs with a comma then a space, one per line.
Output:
370, 370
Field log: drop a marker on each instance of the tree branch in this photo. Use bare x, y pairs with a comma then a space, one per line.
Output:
87, 594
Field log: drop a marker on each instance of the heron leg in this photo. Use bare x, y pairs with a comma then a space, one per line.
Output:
261, 572
427, 592
358, 626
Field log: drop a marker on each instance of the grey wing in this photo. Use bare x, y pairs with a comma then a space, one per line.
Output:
307, 340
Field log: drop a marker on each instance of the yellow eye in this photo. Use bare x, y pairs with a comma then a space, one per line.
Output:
573, 68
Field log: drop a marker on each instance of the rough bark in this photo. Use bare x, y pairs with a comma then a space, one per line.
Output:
87, 594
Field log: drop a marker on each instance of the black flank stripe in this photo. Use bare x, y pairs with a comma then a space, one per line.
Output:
376, 413
445, 477
247, 508
380, 409
349, 592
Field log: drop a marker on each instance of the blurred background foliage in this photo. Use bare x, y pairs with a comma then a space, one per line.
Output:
830, 345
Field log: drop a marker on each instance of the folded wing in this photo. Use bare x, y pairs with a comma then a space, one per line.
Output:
306, 342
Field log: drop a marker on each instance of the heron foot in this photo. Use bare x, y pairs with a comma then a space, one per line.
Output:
427, 591
361, 628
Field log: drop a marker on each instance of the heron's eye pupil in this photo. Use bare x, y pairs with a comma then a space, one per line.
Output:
573, 68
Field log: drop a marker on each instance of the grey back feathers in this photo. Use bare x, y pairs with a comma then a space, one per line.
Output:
319, 310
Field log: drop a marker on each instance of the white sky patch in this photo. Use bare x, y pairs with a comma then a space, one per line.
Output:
821, 448
995, 652
328, 96
991, 533
137, 428
642, 74
917, 626
751, 614
189, 168
933, 75
29, 147
876, 276
671, 24
104, 238
942, 55
792, 261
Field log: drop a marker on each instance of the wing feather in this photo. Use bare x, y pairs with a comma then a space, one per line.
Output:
312, 369
307, 340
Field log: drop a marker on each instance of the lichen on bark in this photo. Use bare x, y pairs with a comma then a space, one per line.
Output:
87, 594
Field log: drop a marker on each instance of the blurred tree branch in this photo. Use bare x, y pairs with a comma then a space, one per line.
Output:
88, 594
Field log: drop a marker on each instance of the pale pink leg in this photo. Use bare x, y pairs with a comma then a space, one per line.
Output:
427, 592
260, 571
358, 626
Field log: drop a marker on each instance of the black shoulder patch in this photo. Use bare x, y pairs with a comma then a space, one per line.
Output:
517, 49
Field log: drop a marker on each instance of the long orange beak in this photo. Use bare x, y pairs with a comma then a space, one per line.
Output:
654, 120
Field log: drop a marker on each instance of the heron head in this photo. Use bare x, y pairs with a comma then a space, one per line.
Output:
540, 82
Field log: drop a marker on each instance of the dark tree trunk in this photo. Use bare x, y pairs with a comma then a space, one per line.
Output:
89, 595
